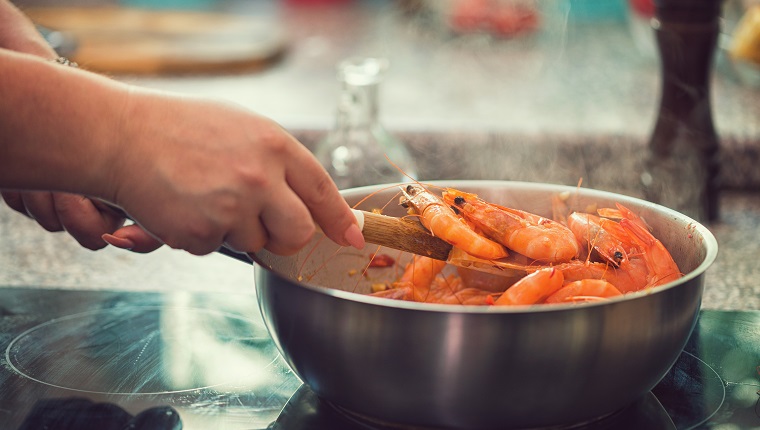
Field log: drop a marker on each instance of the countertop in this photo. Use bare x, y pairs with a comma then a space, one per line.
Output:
574, 102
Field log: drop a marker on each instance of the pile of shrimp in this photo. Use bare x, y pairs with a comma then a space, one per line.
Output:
579, 257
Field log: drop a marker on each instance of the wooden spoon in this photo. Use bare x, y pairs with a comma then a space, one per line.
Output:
408, 236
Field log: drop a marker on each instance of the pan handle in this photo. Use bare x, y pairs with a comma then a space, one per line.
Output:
242, 256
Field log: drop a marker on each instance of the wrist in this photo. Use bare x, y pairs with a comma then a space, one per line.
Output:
100, 119
58, 125
116, 143
130, 155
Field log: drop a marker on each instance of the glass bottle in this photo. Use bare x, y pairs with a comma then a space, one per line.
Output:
355, 150
682, 164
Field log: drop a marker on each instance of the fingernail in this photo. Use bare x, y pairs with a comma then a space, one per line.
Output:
118, 242
354, 236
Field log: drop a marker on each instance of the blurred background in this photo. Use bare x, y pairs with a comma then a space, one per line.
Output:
555, 91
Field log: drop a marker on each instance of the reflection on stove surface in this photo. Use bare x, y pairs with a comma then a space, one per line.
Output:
208, 359
78, 413
144, 350
693, 391
305, 411
202, 361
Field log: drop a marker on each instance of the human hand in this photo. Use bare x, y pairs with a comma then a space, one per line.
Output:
197, 174
83, 218
88, 221
193, 174
66, 212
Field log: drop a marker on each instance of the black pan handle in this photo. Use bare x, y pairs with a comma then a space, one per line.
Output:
242, 256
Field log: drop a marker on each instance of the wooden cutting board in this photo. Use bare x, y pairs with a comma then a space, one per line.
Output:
141, 41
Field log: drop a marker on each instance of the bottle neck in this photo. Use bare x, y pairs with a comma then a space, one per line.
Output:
358, 106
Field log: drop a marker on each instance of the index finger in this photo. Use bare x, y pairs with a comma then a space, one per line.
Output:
313, 185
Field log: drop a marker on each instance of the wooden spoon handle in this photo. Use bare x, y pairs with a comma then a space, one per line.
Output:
402, 234
391, 232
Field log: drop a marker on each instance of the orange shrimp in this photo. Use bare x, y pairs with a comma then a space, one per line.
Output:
623, 212
631, 277
660, 264
419, 275
532, 289
632, 258
583, 291
534, 236
442, 222
590, 230
468, 297
550, 285
453, 291
421, 283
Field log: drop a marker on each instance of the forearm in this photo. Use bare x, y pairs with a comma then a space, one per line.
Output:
59, 126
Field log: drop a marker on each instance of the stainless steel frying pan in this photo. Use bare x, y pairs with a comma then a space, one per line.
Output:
480, 367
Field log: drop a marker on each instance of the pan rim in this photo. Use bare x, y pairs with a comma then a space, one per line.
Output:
709, 241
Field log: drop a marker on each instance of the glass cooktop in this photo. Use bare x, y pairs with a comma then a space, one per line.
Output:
115, 360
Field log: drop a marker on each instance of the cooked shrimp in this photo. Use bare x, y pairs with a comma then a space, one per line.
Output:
532, 289
534, 236
453, 291
442, 222
590, 230
466, 296
660, 264
661, 268
631, 277
632, 259
421, 283
469, 297
623, 212
583, 291
419, 275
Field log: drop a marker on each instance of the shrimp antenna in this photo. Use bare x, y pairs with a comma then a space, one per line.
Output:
399, 168
375, 192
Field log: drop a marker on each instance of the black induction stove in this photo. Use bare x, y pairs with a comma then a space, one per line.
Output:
126, 360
